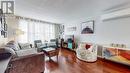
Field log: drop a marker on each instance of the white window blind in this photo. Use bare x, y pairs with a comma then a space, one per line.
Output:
35, 31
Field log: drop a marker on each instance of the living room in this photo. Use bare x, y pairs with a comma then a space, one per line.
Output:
64, 36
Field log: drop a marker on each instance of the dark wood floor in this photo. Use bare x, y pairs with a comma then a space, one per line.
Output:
68, 63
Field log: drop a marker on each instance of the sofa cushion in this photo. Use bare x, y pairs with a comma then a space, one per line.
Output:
15, 48
24, 46
25, 52
52, 44
13, 45
39, 45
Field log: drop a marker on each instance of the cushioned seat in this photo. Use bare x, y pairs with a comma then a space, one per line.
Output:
39, 45
87, 54
53, 43
21, 49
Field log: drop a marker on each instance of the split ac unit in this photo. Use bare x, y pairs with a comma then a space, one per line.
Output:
116, 14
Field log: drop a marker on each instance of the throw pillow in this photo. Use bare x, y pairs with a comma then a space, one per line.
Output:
13, 45
24, 45
17, 46
39, 45
87, 46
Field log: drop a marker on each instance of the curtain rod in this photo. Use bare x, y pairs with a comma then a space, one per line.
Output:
36, 20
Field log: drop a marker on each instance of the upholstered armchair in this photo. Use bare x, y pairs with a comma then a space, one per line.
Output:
39, 45
85, 53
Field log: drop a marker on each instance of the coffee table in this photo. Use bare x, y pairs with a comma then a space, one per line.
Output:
51, 52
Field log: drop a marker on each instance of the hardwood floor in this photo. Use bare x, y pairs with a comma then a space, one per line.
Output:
68, 63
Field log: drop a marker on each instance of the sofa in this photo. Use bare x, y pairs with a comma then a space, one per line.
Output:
21, 58
21, 49
5, 57
85, 53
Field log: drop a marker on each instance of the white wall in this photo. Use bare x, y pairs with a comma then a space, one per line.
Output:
82, 37
114, 31
106, 32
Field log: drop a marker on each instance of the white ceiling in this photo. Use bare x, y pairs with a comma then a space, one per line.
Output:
63, 11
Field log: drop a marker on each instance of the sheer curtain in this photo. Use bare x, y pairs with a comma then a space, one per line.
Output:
23, 26
34, 30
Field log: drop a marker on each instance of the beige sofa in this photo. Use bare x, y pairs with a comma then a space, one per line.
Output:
20, 56
21, 49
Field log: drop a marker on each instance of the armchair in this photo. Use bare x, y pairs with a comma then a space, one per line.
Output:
88, 55
50, 49
53, 43
39, 45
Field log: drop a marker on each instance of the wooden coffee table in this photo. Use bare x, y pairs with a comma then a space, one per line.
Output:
51, 52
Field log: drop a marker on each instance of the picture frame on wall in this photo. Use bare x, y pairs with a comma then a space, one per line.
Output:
87, 27
72, 28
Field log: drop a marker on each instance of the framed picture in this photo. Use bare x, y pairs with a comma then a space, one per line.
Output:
71, 28
87, 27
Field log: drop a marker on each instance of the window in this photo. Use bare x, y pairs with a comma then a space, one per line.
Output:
35, 31
23, 26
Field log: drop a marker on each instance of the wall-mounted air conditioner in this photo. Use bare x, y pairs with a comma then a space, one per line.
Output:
116, 14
